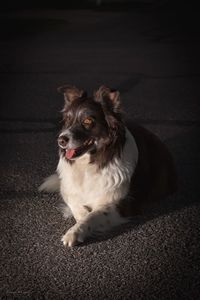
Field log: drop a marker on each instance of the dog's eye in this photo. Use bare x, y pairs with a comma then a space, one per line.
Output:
88, 121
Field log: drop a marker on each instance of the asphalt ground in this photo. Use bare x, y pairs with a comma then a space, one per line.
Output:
152, 57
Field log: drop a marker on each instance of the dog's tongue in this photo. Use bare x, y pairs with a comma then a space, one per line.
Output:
69, 153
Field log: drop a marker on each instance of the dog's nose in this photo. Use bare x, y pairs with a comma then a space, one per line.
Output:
62, 141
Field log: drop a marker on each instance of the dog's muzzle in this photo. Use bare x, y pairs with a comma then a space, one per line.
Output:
73, 152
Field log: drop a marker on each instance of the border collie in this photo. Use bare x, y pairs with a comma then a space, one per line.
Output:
106, 172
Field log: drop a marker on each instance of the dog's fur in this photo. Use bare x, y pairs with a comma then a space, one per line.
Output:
105, 172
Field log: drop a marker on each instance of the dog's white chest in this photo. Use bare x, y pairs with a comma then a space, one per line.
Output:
82, 180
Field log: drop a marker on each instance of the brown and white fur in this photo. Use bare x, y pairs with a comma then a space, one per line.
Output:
105, 172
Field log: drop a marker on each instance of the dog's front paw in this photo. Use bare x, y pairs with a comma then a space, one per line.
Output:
73, 236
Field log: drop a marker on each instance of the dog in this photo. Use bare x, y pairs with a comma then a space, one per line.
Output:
106, 171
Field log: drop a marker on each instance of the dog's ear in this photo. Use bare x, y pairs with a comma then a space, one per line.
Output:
108, 96
71, 93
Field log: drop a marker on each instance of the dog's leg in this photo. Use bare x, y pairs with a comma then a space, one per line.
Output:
66, 211
51, 184
94, 222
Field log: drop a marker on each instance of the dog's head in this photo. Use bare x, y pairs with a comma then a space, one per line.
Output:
91, 124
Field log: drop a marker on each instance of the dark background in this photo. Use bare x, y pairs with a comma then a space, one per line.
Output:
150, 52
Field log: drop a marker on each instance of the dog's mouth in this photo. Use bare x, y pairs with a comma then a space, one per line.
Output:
72, 153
